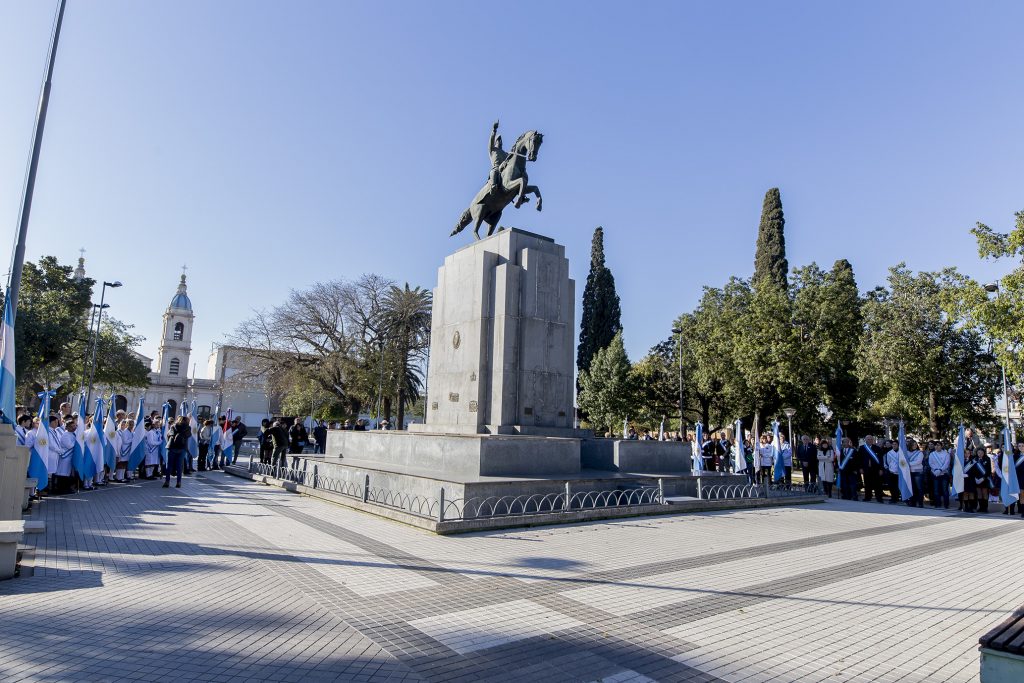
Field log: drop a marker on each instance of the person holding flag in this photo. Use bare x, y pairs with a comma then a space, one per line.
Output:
957, 468
137, 455
892, 473
153, 440
697, 452
93, 441
111, 439
69, 450
36, 462
125, 438
227, 440
739, 451
826, 465
778, 457
193, 440
847, 468
1009, 493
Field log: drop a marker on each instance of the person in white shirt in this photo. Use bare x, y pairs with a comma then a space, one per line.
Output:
62, 443
787, 462
153, 441
126, 435
764, 451
826, 465
915, 458
939, 463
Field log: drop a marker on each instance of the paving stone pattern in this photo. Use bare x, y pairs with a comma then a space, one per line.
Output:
228, 580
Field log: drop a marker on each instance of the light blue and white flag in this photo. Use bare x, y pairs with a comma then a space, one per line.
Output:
838, 447
741, 459
7, 376
661, 429
43, 435
214, 433
163, 433
698, 448
1009, 492
94, 438
111, 437
625, 428
903, 469
36, 461
957, 480
138, 453
777, 453
193, 439
82, 409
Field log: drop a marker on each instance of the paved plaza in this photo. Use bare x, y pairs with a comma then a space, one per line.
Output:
225, 579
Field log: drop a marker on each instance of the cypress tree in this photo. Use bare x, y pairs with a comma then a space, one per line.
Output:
770, 265
601, 319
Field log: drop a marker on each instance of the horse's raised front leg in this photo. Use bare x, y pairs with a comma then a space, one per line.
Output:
518, 186
533, 189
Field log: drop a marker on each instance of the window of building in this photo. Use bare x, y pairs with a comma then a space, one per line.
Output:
204, 412
179, 332
175, 366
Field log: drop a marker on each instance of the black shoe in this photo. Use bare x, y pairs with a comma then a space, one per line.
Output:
177, 486
166, 484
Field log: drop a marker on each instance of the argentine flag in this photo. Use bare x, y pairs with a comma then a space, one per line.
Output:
906, 485
958, 462
741, 460
777, 458
95, 439
36, 462
7, 363
43, 435
111, 439
163, 434
138, 453
193, 439
226, 439
1009, 492
698, 448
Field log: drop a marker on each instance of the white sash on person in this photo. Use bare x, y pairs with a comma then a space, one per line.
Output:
846, 460
871, 452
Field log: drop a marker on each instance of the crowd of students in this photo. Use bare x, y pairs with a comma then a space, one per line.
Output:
870, 470
72, 452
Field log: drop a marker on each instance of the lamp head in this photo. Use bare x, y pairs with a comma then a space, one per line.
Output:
991, 287
115, 283
676, 330
789, 412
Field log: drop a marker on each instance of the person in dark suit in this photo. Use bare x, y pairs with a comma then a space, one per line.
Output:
871, 459
807, 454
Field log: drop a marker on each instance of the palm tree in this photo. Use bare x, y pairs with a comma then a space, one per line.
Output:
406, 325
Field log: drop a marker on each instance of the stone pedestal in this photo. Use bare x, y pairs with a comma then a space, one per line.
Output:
501, 344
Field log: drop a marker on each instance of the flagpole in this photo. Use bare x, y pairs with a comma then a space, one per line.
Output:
14, 284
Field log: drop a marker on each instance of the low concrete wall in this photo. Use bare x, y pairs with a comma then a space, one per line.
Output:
459, 454
620, 455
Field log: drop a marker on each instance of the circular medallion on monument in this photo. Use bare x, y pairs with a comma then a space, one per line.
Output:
456, 339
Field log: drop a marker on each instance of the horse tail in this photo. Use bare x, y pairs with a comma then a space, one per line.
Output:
464, 220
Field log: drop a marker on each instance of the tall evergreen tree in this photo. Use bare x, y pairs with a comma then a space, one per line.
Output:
770, 265
601, 319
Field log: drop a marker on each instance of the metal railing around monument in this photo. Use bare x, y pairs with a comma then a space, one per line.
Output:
755, 491
323, 476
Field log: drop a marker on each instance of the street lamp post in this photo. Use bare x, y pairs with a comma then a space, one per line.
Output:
790, 412
678, 331
993, 288
96, 340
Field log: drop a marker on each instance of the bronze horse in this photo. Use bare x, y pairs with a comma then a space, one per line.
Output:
512, 185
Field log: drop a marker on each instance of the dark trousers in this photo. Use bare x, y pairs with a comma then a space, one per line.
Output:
810, 472
873, 485
234, 451
789, 475
940, 490
280, 457
848, 485
894, 487
266, 451
318, 448
918, 493
216, 458
174, 459
204, 449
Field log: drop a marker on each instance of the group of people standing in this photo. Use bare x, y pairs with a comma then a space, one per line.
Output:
73, 452
870, 470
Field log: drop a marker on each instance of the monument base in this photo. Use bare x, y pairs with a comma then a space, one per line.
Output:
458, 455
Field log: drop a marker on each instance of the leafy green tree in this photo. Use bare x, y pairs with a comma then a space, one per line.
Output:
827, 313
918, 362
52, 335
770, 265
406, 321
601, 317
605, 389
654, 383
1002, 316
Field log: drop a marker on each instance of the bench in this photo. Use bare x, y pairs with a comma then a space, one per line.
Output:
1002, 651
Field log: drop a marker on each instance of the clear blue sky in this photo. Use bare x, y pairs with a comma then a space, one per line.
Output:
270, 145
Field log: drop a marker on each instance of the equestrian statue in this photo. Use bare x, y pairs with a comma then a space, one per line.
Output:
506, 183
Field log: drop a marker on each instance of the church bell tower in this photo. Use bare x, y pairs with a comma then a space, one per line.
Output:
176, 345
